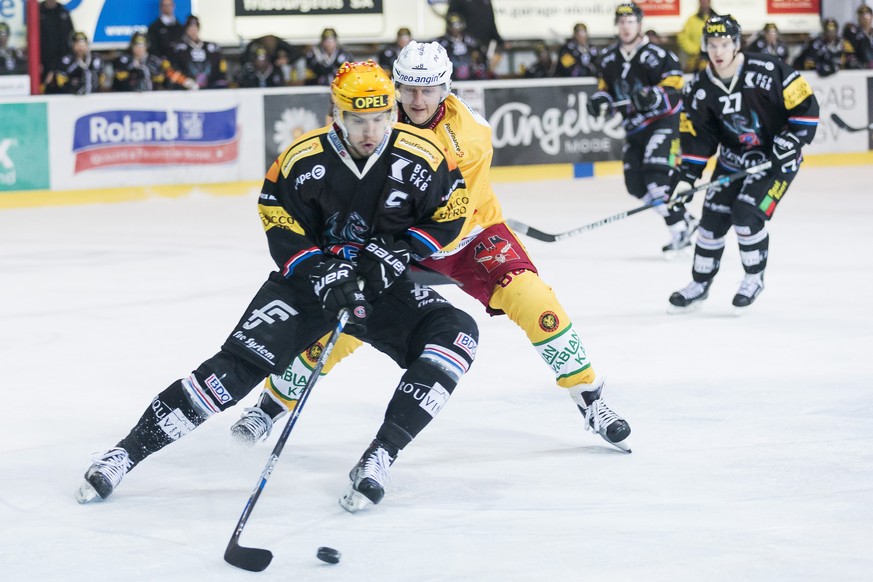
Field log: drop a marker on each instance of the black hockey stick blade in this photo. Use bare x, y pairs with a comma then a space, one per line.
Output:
530, 231
843, 125
251, 559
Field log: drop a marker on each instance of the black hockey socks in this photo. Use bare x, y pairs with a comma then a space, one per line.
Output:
423, 390
169, 417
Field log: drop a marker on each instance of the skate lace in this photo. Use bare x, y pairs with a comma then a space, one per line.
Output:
256, 422
599, 416
692, 290
113, 464
376, 466
749, 286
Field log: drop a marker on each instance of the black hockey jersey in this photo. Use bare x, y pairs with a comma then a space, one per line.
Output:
826, 58
134, 75
78, 76
316, 200
203, 62
647, 66
764, 98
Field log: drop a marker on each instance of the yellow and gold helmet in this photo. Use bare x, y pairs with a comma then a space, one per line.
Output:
362, 88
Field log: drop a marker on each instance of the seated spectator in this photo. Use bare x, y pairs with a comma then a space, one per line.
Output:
272, 44
11, 60
79, 72
260, 71
323, 60
824, 53
390, 52
858, 39
576, 58
543, 67
137, 69
165, 31
768, 42
195, 63
465, 52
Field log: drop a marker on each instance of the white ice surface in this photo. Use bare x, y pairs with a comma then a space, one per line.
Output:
752, 436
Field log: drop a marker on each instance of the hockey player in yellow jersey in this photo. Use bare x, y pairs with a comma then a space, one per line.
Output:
487, 258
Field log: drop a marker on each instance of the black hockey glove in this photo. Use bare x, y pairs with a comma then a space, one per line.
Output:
682, 183
646, 99
335, 283
599, 104
382, 261
786, 151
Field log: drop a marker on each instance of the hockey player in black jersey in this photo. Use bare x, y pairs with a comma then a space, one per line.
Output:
647, 78
750, 109
356, 200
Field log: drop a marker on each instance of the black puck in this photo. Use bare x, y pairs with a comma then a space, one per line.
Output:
329, 555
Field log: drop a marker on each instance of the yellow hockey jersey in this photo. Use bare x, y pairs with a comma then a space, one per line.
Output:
467, 135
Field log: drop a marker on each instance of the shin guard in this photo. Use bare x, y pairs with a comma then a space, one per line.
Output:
533, 306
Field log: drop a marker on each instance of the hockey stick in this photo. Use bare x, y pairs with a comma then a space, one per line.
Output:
839, 121
257, 559
537, 234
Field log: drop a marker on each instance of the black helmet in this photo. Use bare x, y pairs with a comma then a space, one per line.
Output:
721, 27
628, 9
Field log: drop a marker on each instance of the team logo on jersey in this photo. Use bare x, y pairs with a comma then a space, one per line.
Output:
549, 321
314, 352
269, 313
493, 252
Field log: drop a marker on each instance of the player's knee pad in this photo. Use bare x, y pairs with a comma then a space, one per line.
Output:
220, 382
449, 338
285, 388
533, 306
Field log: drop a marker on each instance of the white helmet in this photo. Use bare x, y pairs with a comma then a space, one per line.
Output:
423, 65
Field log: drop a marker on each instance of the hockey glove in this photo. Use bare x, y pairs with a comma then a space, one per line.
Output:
683, 183
786, 151
646, 99
335, 283
382, 261
599, 104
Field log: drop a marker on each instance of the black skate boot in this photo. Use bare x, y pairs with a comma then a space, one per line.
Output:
681, 233
104, 475
689, 297
369, 478
749, 290
599, 418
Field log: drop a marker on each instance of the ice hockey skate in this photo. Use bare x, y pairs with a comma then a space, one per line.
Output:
599, 418
681, 243
369, 479
689, 298
254, 425
104, 475
749, 290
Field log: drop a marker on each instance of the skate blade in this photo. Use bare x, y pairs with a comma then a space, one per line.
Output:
740, 311
85, 493
353, 501
677, 310
678, 254
621, 445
